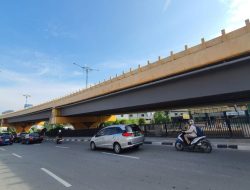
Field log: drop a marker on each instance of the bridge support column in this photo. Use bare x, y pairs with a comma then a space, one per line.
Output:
4, 122
54, 115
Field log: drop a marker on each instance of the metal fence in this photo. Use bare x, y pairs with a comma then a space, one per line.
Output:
216, 128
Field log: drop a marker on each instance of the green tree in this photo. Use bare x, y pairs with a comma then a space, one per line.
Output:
141, 121
123, 121
160, 117
11, 130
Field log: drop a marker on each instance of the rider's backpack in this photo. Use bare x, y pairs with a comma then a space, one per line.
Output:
199, 132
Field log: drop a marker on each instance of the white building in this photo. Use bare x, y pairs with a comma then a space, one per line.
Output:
148, 116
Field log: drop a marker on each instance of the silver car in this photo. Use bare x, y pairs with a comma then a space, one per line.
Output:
118, 137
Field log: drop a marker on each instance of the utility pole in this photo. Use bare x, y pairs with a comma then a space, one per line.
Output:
86, 70
26, 99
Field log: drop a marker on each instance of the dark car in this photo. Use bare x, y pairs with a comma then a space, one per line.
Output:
14, 136
6, 139
32, 138
20, 136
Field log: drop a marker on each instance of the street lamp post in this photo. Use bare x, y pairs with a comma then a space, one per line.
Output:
26, 99
86, 70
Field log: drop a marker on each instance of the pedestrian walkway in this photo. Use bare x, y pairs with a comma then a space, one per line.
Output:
239, 144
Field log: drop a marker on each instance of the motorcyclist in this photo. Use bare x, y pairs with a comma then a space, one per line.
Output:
191, 132
59, 135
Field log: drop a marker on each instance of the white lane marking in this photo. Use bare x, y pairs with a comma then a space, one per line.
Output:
2, 149
16, 155
65, 183
156, 143
62, 147
133, 157
240, 147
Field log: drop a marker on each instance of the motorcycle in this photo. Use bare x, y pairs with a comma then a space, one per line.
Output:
198, 143
59, 140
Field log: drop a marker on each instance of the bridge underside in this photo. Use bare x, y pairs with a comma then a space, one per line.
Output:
224, 83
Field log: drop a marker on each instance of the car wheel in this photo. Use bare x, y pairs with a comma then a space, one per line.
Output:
137, 147
117, 148
92, 146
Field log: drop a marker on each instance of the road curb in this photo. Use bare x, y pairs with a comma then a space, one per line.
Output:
168, 143
217, 146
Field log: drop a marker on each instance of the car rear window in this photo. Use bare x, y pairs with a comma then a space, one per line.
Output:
132, 128
5, 134
113, 131
34, 134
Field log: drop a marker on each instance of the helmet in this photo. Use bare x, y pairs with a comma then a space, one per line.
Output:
60, 131
190, 122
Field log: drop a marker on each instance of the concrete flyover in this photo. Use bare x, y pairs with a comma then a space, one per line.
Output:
223, 83
213, 72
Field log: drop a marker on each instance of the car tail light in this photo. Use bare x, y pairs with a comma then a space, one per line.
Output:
126, 134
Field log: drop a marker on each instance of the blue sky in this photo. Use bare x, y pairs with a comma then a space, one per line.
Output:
41, 39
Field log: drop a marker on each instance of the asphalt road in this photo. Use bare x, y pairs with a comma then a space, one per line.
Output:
73, 165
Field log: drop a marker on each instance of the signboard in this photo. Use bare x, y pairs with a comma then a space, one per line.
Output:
186, 116
235, 113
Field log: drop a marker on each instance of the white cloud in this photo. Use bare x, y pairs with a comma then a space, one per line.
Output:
35, 73
11, 98
166, 5
32, 63
77, 73
12, 76
57, 30
238, 12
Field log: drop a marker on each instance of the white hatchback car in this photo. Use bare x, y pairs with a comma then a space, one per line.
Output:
118, 137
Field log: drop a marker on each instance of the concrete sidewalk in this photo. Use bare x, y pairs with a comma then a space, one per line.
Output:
238, 144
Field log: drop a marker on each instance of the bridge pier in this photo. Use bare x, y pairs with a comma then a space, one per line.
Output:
4, 122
